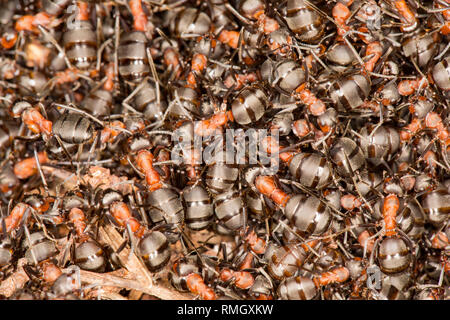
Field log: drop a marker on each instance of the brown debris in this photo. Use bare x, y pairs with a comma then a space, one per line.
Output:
102, 178
15, 281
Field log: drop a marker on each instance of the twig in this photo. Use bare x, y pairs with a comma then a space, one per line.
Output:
15, 281
108, 279
142, 277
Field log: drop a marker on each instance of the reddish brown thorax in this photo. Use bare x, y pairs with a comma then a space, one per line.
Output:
337, 275
257, 245
365, 241
266, 185
111, 131
440, 240
271, 146
140, 18
8, 40
391, 205
144, 161
15, 217
301, 128
230, 38
315, 105
411, 129
50, 272
340, 14
210, 126
172, 59
197, 286
36, 122
123, 216
350, 202
30, 23
78, 218
405, 12
247, 262
375, 50
83, 11
110, 75
239, 80
242, 279
28, 167
408, 87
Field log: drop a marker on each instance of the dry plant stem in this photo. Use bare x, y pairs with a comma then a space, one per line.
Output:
142, 277
135, 295
111, 296
106, 293
112, 237
108, 279
16, 281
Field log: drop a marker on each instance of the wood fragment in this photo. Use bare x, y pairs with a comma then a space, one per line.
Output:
136, 277
15, 281
108, 234
135, 295
107, 279
106, 293
111, 296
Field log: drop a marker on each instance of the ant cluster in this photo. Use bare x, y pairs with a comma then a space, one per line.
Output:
97, 202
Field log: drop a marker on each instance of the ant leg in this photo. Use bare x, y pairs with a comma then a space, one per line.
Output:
305, 190
53, 41
379, 124
347, 254
264, 273
315, 8
99, 53
33, 137
41, 224
320, 61
139, 205
223, 247
152, 132
68, 251
184, 247
366, 242
266, 219
92, 150
352, 48
61, 144
27, 234
238, 51
237, 14
274, 236
177, 98
121, 247
439, 57
411, 245
132, 241
445, 158
140, 173
372, 254
155, 76
84, 113
116, 42
5, 234
127, 99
